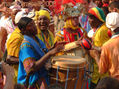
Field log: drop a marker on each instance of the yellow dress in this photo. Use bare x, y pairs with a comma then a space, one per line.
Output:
13, 47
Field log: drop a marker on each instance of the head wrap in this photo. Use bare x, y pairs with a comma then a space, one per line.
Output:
112, 20
98, 13
44, 13
68, 24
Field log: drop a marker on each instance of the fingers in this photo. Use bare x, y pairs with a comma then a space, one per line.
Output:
59, 43
96, 48
60, 47
62, 42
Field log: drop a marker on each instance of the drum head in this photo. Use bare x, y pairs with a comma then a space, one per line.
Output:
67, 61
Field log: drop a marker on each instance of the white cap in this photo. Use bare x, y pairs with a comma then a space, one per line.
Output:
19, 15
112, 20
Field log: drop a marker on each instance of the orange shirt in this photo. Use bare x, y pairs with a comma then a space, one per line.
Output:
109, 59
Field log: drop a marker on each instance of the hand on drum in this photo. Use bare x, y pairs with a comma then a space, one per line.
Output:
48, 65
57, 48
95, 54
59, 43
79, 41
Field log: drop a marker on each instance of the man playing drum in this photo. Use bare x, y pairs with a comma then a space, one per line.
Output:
99, 37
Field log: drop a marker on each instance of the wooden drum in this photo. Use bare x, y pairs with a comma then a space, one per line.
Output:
68, 71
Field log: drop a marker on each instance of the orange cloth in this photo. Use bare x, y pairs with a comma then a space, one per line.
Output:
109, 59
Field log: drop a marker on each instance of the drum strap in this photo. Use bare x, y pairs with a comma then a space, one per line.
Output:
77, 77
57, 74
67, 78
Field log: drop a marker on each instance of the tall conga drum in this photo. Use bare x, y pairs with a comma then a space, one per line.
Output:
68, 71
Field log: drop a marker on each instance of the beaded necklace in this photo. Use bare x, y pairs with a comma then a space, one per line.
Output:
47, 41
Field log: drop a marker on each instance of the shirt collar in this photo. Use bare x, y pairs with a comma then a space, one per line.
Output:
115, 35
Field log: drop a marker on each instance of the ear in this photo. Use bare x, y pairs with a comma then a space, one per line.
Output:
115, 10
22, 31
49, 21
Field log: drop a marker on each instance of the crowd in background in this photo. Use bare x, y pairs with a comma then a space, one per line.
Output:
31, 34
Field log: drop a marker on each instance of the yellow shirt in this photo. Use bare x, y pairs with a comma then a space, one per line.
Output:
101, 36
13, 47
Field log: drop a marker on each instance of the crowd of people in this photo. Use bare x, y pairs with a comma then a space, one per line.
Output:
31, 35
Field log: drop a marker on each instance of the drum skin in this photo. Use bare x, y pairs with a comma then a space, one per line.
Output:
74, 64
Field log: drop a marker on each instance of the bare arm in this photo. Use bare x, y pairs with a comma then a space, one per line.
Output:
96, 55
9, 82
38, 64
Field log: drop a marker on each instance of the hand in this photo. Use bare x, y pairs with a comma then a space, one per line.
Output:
57, 49
59, 43
96, 48
78, 42
7, 70
48, 66
94, 54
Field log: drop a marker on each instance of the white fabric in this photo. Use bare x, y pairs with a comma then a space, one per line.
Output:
7, 24
91, 33
112, 20
31, 14
19, 15
24, 13
15, 7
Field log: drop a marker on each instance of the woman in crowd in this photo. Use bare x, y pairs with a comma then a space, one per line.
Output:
44, 34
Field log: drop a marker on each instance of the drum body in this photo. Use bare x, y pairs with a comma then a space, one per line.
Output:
68, 71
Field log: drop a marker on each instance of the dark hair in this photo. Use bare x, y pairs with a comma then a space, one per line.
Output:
91, 15
108, 83
55, 86
23, 23
114, 4
88, 1
105, 10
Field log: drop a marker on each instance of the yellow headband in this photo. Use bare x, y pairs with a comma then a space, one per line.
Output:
44, 13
